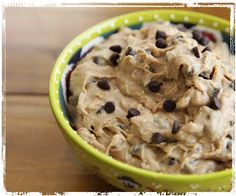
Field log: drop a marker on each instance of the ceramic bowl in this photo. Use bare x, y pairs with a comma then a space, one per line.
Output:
119, 174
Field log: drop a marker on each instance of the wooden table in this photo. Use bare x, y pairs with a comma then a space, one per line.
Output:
37, 157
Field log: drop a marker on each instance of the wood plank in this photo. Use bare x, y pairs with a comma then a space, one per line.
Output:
37, 156
35, 37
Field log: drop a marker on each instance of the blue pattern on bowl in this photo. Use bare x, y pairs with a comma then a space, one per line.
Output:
76, 57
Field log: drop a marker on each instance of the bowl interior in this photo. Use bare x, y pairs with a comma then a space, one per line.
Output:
83, 43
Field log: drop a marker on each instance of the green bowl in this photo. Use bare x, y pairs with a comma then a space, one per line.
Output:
119, 174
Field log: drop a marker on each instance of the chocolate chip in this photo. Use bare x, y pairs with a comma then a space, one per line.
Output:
161, 43
200, 38
219, 162
171, 161
204, 41
157, 138
206, 49
130, 51
229, 136
229, 145
92, 127
96, 59
154, 86
116, 48
196, 52
197, 35
109, 107
232, 85
103, 84
132, 112
169, 105
171, 140
175, 127
92, 132
114, 58
161, 34
215, 103
231, 123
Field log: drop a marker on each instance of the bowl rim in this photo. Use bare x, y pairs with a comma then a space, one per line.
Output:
65, 127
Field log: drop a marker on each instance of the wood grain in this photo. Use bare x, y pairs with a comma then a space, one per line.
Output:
37, 156
35, 37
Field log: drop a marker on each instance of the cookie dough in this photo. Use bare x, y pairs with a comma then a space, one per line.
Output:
159, 98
